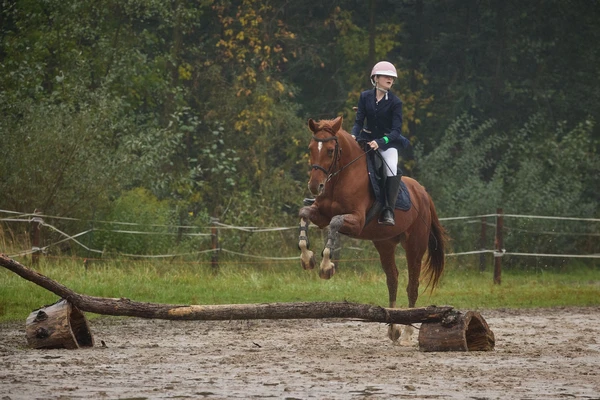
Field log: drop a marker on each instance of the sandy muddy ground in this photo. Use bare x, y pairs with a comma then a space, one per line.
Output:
540, 354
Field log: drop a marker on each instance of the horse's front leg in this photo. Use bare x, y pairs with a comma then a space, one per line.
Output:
348, 224
307, 257
327, 267
307, 215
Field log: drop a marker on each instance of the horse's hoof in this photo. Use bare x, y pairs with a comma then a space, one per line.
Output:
406, 339
327, 273
311, 261
310, 265
394, 333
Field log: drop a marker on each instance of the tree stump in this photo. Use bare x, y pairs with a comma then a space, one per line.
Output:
457, 332
60, 325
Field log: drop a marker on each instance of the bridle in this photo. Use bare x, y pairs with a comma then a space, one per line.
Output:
336, 156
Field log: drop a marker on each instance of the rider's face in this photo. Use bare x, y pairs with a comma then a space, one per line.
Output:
384, 81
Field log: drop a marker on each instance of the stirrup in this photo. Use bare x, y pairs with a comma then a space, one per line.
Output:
387, 218
308, 202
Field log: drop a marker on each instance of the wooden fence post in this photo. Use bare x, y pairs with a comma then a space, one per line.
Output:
215, 244
36, 227
482, 240
499, 248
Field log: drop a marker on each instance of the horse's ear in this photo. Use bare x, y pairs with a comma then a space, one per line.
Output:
337, 124
312, 125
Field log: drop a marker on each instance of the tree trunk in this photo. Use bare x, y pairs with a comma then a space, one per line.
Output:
304, 310
417, 51
372, 33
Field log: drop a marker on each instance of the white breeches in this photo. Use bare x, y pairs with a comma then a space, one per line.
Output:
390, 160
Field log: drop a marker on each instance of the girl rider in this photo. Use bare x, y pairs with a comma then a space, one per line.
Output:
382, 110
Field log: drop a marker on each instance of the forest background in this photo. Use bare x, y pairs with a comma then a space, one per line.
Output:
172, 112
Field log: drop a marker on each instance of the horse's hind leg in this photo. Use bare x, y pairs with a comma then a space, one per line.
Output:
387, 256
414, 255
307, 257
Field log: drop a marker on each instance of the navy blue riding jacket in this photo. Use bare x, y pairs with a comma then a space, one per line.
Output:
383, 119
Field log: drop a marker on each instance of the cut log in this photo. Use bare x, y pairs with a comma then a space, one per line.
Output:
457, 332
60, 325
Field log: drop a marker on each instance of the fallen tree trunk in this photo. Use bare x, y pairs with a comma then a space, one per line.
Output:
302, 310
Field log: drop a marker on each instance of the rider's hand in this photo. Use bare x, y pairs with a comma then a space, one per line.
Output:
373, 145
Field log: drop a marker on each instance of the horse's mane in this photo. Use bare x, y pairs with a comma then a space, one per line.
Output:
328, 123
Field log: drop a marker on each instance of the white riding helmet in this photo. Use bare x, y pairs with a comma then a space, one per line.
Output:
383, 68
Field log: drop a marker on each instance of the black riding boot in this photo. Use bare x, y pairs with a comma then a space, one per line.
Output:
392, 185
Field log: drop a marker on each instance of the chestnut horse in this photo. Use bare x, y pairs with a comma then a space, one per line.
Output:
339, 181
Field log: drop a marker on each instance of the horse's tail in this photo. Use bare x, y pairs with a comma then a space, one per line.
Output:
436, 247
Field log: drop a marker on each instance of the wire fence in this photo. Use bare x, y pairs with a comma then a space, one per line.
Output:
219, 238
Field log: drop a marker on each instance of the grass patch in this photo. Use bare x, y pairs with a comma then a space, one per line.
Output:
287, 282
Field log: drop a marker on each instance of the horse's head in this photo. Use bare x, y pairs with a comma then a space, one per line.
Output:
324, 152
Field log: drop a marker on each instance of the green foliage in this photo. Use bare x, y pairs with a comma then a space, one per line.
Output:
205, 103
58, 157
534, 170
146, 214
144, 225
560, 165
503, 60
457, 171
